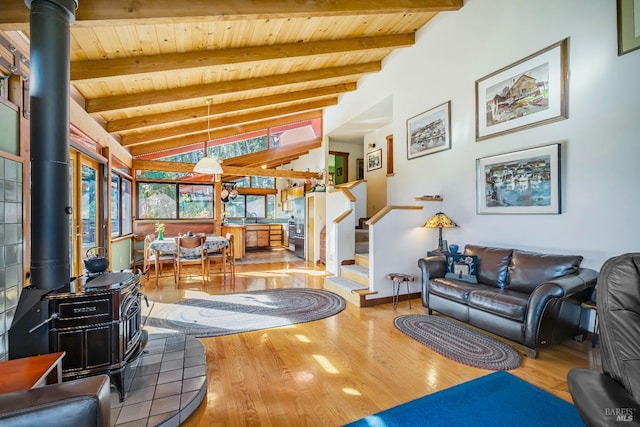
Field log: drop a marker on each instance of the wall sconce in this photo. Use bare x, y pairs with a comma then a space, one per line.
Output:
372, 145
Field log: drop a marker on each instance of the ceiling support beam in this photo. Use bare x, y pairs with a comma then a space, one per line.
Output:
137, 100
155, 165
118, 67
225, 108
168, 144
15, 15
200, 128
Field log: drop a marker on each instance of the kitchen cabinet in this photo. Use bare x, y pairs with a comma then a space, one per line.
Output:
238, 232
275, 235
263, 236
257, 236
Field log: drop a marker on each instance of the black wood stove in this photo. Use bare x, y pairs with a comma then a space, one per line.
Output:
96, 321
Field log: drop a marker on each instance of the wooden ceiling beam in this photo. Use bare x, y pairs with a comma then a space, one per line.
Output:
202, 92
273, 154
156, 165
119, 67
15, 15
168, 144
226, 108
223, 122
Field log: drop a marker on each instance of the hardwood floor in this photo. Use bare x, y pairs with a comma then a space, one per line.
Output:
336, 370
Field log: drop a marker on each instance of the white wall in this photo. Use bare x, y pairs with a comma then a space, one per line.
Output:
601, 151
377, 178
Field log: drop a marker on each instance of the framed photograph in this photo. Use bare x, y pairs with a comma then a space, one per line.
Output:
628, 26
374, 160
521, 182
429, 132
528, 93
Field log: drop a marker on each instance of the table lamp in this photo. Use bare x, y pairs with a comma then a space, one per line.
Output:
440, 221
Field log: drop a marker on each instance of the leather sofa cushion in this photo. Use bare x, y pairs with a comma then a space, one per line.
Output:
492, 264
530, 269
502, 302
453, 289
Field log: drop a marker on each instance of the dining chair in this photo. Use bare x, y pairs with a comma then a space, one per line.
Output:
224, 257
230, 257
191, 251
158, 263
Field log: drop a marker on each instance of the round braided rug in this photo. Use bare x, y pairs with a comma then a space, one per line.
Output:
215, 315
458, 343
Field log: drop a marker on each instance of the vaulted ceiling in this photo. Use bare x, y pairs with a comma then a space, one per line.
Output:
163, 75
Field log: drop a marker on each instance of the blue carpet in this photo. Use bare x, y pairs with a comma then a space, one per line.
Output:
497, 399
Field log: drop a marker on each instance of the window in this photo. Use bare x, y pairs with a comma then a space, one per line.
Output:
121, 207
251, 206
174, 201
196, 201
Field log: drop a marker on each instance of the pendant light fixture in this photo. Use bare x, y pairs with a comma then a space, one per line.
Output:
208, 165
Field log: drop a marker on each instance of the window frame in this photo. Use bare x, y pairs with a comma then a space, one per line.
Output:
121, 200
177, 193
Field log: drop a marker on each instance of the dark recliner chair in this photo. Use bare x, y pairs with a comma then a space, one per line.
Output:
83, 402
613, 397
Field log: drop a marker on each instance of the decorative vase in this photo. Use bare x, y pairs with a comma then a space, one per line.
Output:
160, 234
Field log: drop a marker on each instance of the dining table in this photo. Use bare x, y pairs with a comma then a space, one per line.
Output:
169, 245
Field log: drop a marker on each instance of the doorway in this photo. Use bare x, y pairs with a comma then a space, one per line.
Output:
339, 166
85, 220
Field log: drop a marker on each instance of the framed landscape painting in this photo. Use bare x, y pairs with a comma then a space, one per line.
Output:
521, 182
429, 132
628, 26
528, 93
374, 160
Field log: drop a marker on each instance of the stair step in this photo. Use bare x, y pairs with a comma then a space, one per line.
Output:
362, 235
362, 247
343, 283
356, 273
362, 259
347, 289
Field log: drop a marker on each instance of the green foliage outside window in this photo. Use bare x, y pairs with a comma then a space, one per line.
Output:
156, 200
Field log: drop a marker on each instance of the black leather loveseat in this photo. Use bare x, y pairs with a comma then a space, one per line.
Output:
526, 297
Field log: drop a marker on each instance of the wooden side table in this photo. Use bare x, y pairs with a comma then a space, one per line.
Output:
30, 372
397, 279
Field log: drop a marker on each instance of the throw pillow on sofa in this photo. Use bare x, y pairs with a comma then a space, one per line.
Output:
492, 264
462, 267
529, 269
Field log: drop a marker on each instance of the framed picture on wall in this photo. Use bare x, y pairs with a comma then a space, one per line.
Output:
527, 93
628, 26
521, 182
374, 160
429, 132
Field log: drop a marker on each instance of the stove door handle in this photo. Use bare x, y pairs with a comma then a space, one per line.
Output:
44, 322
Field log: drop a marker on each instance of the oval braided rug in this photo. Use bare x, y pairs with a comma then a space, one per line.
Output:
458, 343
216, 315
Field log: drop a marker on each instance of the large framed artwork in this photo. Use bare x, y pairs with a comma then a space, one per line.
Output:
520, 182
528, 93
374, 160
429, 132
628, 26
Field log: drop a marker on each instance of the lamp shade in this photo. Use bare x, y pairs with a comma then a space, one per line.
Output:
209, 166
440, 220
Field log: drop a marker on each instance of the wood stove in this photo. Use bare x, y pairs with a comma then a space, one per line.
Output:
98, 325
96, 321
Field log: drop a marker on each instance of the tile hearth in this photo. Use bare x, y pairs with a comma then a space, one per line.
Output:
165, 384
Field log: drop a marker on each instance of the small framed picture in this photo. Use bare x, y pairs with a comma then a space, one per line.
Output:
521, 182
429, 132
374, 160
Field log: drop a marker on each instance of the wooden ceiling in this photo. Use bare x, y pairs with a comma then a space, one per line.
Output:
144, 69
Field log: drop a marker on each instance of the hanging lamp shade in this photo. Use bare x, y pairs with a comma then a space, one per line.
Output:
209, 166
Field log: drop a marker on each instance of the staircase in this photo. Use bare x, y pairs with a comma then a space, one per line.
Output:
353, 282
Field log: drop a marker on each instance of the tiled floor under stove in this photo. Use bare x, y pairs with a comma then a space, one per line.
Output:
165, 384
